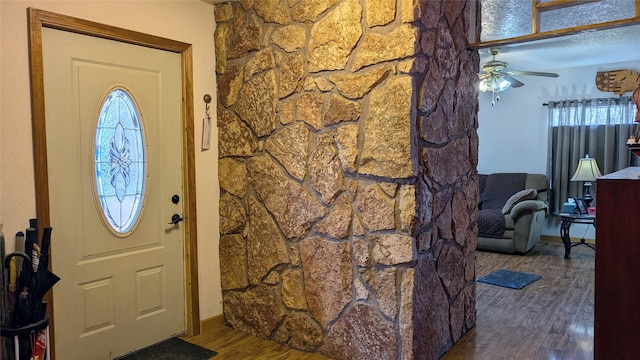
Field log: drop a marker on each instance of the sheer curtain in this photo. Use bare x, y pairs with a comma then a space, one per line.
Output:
596, 127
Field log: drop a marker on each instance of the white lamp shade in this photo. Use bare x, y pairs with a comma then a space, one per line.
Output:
587, 170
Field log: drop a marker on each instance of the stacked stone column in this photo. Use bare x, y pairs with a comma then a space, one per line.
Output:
348, 148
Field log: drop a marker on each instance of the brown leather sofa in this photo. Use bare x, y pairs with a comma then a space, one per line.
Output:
511, 212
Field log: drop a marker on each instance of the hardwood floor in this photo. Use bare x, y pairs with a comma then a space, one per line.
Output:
549, 319
232, 344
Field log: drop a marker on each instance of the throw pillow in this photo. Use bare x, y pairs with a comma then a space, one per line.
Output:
526, 194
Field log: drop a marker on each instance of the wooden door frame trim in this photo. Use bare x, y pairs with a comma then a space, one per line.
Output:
38, 19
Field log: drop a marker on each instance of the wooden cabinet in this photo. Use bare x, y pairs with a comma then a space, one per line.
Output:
617, 286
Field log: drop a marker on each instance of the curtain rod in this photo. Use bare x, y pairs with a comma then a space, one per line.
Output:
590, 100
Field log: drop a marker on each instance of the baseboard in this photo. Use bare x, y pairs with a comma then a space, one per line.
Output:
551, 238
212, 321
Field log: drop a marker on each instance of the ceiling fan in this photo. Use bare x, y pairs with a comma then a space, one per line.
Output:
494, 77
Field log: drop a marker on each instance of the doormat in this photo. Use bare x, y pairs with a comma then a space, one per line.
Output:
509, 279
172, 349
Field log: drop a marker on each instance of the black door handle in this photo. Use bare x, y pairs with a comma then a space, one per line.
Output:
175, 218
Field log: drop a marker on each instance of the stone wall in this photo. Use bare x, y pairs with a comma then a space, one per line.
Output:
348, 148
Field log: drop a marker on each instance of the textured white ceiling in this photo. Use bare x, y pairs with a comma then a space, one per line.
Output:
510, 18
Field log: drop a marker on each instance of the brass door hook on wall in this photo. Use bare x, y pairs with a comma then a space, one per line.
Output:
206, 123
207, 101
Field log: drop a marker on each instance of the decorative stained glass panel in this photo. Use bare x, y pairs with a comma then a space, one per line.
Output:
120, 161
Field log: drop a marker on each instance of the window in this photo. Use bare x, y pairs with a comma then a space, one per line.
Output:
598, 128
120, 162
596, 112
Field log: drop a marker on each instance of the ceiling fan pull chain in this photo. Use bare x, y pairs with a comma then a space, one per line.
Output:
494, 98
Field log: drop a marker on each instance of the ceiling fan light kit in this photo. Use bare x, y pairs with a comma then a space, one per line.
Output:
494, 84
494, 78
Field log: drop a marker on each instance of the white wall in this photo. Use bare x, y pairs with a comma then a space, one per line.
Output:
189, 21
513, 133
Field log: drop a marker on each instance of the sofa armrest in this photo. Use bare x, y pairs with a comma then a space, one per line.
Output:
527, 205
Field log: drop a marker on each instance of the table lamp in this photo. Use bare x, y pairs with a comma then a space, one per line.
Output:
587, 171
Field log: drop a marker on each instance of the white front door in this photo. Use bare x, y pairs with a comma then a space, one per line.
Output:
114, 155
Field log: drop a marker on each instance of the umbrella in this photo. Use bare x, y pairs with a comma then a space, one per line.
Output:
33, 283
44, 279
20, 316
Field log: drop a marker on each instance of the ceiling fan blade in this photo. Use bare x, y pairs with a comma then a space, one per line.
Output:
532, 73
514, 82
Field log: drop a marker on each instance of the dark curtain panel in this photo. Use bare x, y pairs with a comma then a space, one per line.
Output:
599, 128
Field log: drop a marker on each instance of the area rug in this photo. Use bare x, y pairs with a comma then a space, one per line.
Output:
509, 279
172, 349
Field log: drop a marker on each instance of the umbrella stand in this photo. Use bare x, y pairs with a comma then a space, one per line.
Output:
24, 329
20, 340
